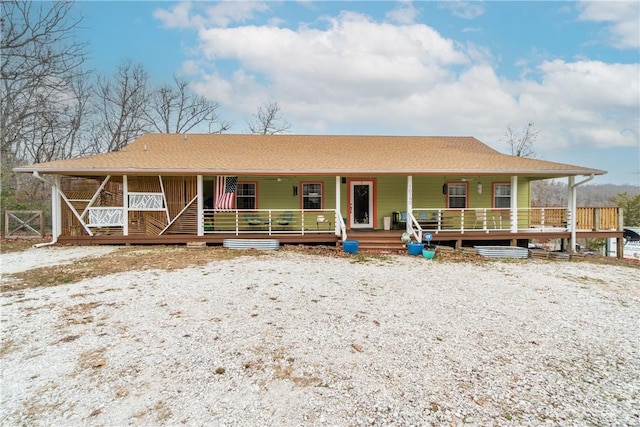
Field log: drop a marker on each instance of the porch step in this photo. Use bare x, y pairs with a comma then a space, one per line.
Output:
378, 241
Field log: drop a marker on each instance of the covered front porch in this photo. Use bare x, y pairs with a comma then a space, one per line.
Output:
456, 228
173, 209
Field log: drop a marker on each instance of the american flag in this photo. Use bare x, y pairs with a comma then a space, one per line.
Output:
225, 192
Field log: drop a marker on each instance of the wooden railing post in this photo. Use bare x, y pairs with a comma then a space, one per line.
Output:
596, 219
620, 219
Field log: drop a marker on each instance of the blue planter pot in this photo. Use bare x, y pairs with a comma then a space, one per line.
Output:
350, 246
415, 248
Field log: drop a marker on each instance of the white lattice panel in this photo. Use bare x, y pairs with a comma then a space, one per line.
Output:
106, 217
145, 201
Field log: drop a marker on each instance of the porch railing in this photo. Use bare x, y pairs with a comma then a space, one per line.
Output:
491, 219
422, 220
271, 221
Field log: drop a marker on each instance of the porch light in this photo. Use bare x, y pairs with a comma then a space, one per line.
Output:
479, 188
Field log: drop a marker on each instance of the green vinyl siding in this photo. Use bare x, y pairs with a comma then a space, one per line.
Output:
390, 192
391, 197
274, 194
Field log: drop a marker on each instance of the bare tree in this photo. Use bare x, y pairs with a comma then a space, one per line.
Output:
268, 120
121, 105
521, 144
175, 109
61, 132
40, 97
39, 59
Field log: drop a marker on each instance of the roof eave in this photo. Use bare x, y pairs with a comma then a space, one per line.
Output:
94, 171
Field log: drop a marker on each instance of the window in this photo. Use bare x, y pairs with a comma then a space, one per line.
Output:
457, 195
501, 196
246, 195
312, 195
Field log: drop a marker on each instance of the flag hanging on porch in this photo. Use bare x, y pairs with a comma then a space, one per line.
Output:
225, 192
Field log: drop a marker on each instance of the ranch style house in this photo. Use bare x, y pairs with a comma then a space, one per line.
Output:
314, 189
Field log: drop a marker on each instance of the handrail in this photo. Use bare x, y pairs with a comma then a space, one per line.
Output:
416, 229
343, 226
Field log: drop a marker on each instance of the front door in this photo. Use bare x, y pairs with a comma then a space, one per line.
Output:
361, 204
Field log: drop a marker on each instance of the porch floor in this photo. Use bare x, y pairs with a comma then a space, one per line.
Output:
209, 239
373, 240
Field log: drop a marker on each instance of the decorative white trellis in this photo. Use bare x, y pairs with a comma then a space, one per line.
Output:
146, 201
106, 217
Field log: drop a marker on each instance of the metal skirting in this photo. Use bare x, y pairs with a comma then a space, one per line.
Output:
502, 251
259, 244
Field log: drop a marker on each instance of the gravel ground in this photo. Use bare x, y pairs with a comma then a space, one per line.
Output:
48, 256
292, 339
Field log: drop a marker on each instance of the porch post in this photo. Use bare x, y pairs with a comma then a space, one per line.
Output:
56, 214
200, 187
514, 204
571, 221
125, 205
337, 230
409, 226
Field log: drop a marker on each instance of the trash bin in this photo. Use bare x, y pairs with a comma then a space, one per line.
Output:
387, 223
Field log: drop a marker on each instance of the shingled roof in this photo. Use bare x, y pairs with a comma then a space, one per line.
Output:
224, 154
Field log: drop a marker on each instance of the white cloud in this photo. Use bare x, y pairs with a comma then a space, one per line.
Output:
179, 16
353, 58
464, 9
622, 16
405, 13
224, 13
585, 103
355, 69
221, 14
361, 76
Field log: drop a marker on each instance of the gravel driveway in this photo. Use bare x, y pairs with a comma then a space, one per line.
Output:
292, 339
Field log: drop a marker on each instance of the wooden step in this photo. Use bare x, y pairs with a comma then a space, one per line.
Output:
378, 241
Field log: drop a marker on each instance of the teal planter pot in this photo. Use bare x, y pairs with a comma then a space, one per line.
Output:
428, 253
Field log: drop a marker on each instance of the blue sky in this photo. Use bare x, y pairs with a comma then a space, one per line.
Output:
401, 68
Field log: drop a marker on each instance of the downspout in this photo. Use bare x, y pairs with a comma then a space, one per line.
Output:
54, 213
200, 205
574, 209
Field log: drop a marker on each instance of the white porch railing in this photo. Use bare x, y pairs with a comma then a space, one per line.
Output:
421, 220
477, 220
272, 221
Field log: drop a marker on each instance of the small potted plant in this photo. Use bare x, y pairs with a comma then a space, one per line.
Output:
428, 252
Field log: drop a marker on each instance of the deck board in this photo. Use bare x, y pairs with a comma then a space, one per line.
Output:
378, 239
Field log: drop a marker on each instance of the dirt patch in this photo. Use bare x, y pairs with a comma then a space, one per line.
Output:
140, 258
124, 259
18, 245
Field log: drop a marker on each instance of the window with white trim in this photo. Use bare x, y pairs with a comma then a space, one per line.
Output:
457, 195
501, 196
312, 195
246, 195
